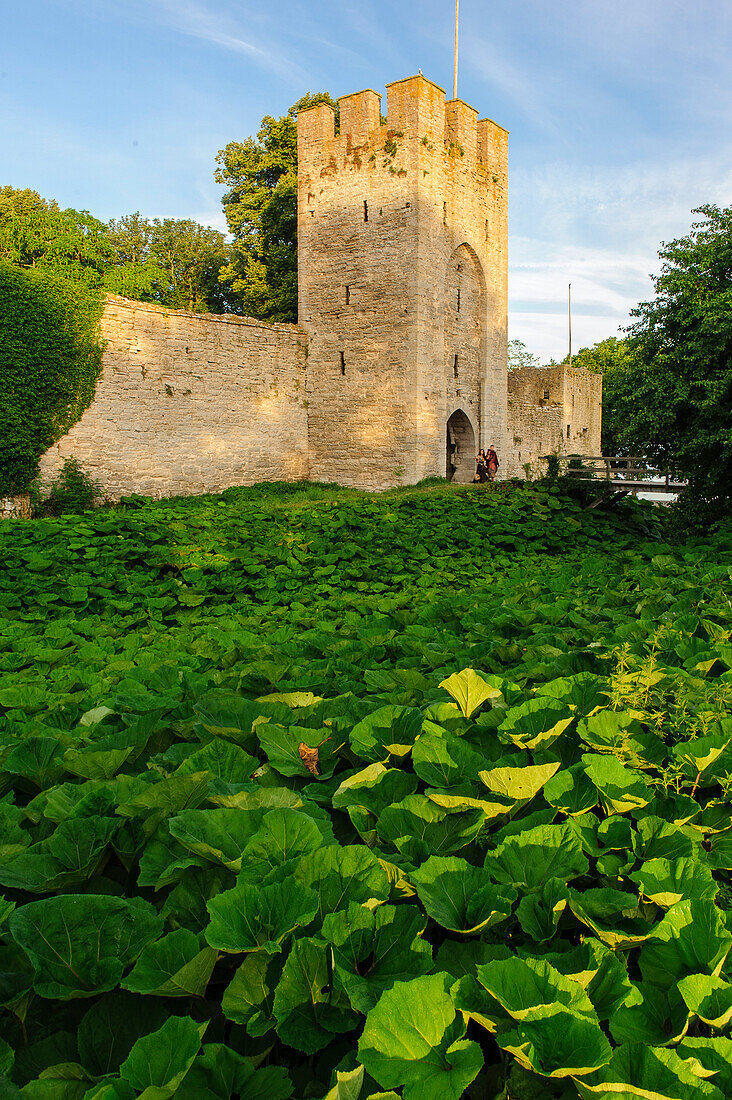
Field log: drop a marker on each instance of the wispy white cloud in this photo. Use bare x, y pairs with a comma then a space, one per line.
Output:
198, 20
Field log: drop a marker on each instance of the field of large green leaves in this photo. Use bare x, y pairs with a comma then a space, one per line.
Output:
312, 794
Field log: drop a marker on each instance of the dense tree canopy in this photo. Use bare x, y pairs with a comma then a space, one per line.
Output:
261, 210
38, 234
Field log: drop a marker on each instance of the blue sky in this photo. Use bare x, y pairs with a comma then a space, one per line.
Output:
620, 115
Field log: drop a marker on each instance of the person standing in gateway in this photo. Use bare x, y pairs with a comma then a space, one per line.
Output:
492, 463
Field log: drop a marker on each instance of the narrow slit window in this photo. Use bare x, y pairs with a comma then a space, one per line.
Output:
455, 367
458, 300
343, 362
444, 213
348, 295
486, 229
568, 431
365, 211
546, 395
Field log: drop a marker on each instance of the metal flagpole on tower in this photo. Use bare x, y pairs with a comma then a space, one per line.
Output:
454, 82
569, 302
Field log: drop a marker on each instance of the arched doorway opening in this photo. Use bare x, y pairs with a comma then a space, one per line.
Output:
460, 453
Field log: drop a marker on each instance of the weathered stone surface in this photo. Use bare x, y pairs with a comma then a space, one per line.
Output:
15, 507
397, 370
191, 403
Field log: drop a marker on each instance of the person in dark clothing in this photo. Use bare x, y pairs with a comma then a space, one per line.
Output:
481, 467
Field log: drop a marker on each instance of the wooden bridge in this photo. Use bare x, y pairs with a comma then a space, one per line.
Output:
620, 476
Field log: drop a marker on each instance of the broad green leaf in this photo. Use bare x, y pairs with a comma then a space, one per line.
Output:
532, 857
375, 788
655, 838
348, 1085
413, 1038
223, 760
112, 1026
691, 939
557, 1042
157, 1063
91, 764
667, 882
521, 986
535, 724
620, 789
341, 875
249, 997
418, 827
518, 784
219, 835
652, 1073
174, 966
469, 690
612, 915
712, 1057
284, 749
373, 950
539, 913
620, 734
571, 791
441, 760
390, 730
250, 918
650, 1015
80, 945
461, 897
283, 837
698, 757
308, 1010
709, 998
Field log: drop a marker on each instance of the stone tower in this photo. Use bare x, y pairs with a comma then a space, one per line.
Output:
402, 246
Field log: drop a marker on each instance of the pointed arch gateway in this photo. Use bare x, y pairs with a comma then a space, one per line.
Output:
464, 329
461, 448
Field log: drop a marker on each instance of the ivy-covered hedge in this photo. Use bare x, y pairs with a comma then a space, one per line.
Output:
50, 360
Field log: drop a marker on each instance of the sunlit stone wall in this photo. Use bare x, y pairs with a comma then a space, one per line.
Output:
191, 403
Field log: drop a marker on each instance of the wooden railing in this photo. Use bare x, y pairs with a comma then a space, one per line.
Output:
632, 473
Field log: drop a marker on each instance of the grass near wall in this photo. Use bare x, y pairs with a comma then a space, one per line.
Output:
250, 789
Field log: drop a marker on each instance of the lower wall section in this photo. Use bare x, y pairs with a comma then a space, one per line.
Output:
191, 403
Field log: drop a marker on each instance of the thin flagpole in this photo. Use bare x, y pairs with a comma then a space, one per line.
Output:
569, 300
457, 19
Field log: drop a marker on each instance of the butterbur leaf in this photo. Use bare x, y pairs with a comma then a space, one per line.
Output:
535, 855
374, 788
441, 760
461, 958
667, 882
81, 945
650, 1015
557, 1042
284, 836
249, 997
249, 918
699, 756
709, 998
571, 791
622, 735
535, 724
522, 985
413, 1038
539, 913
712, 1057
654, 838
295, 750
469, 690
221, 759
417, 825
620, 789
100, 764
518, 784
461, 897
348, 1085
219, 1072
157, 1063
691, 939
341, 875
373, 950
390, 730
309, 1011
638, 1069
112, 1026
219, 835
174, 966
612, 915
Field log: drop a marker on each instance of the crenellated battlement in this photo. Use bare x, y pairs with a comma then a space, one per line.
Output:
417, 111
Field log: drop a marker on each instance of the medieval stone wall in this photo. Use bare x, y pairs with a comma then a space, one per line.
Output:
191, 403
551, 409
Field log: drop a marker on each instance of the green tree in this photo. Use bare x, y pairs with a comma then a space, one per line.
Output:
35, 233
519, 356
175, 263
673, 396
261, 211
613, 358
